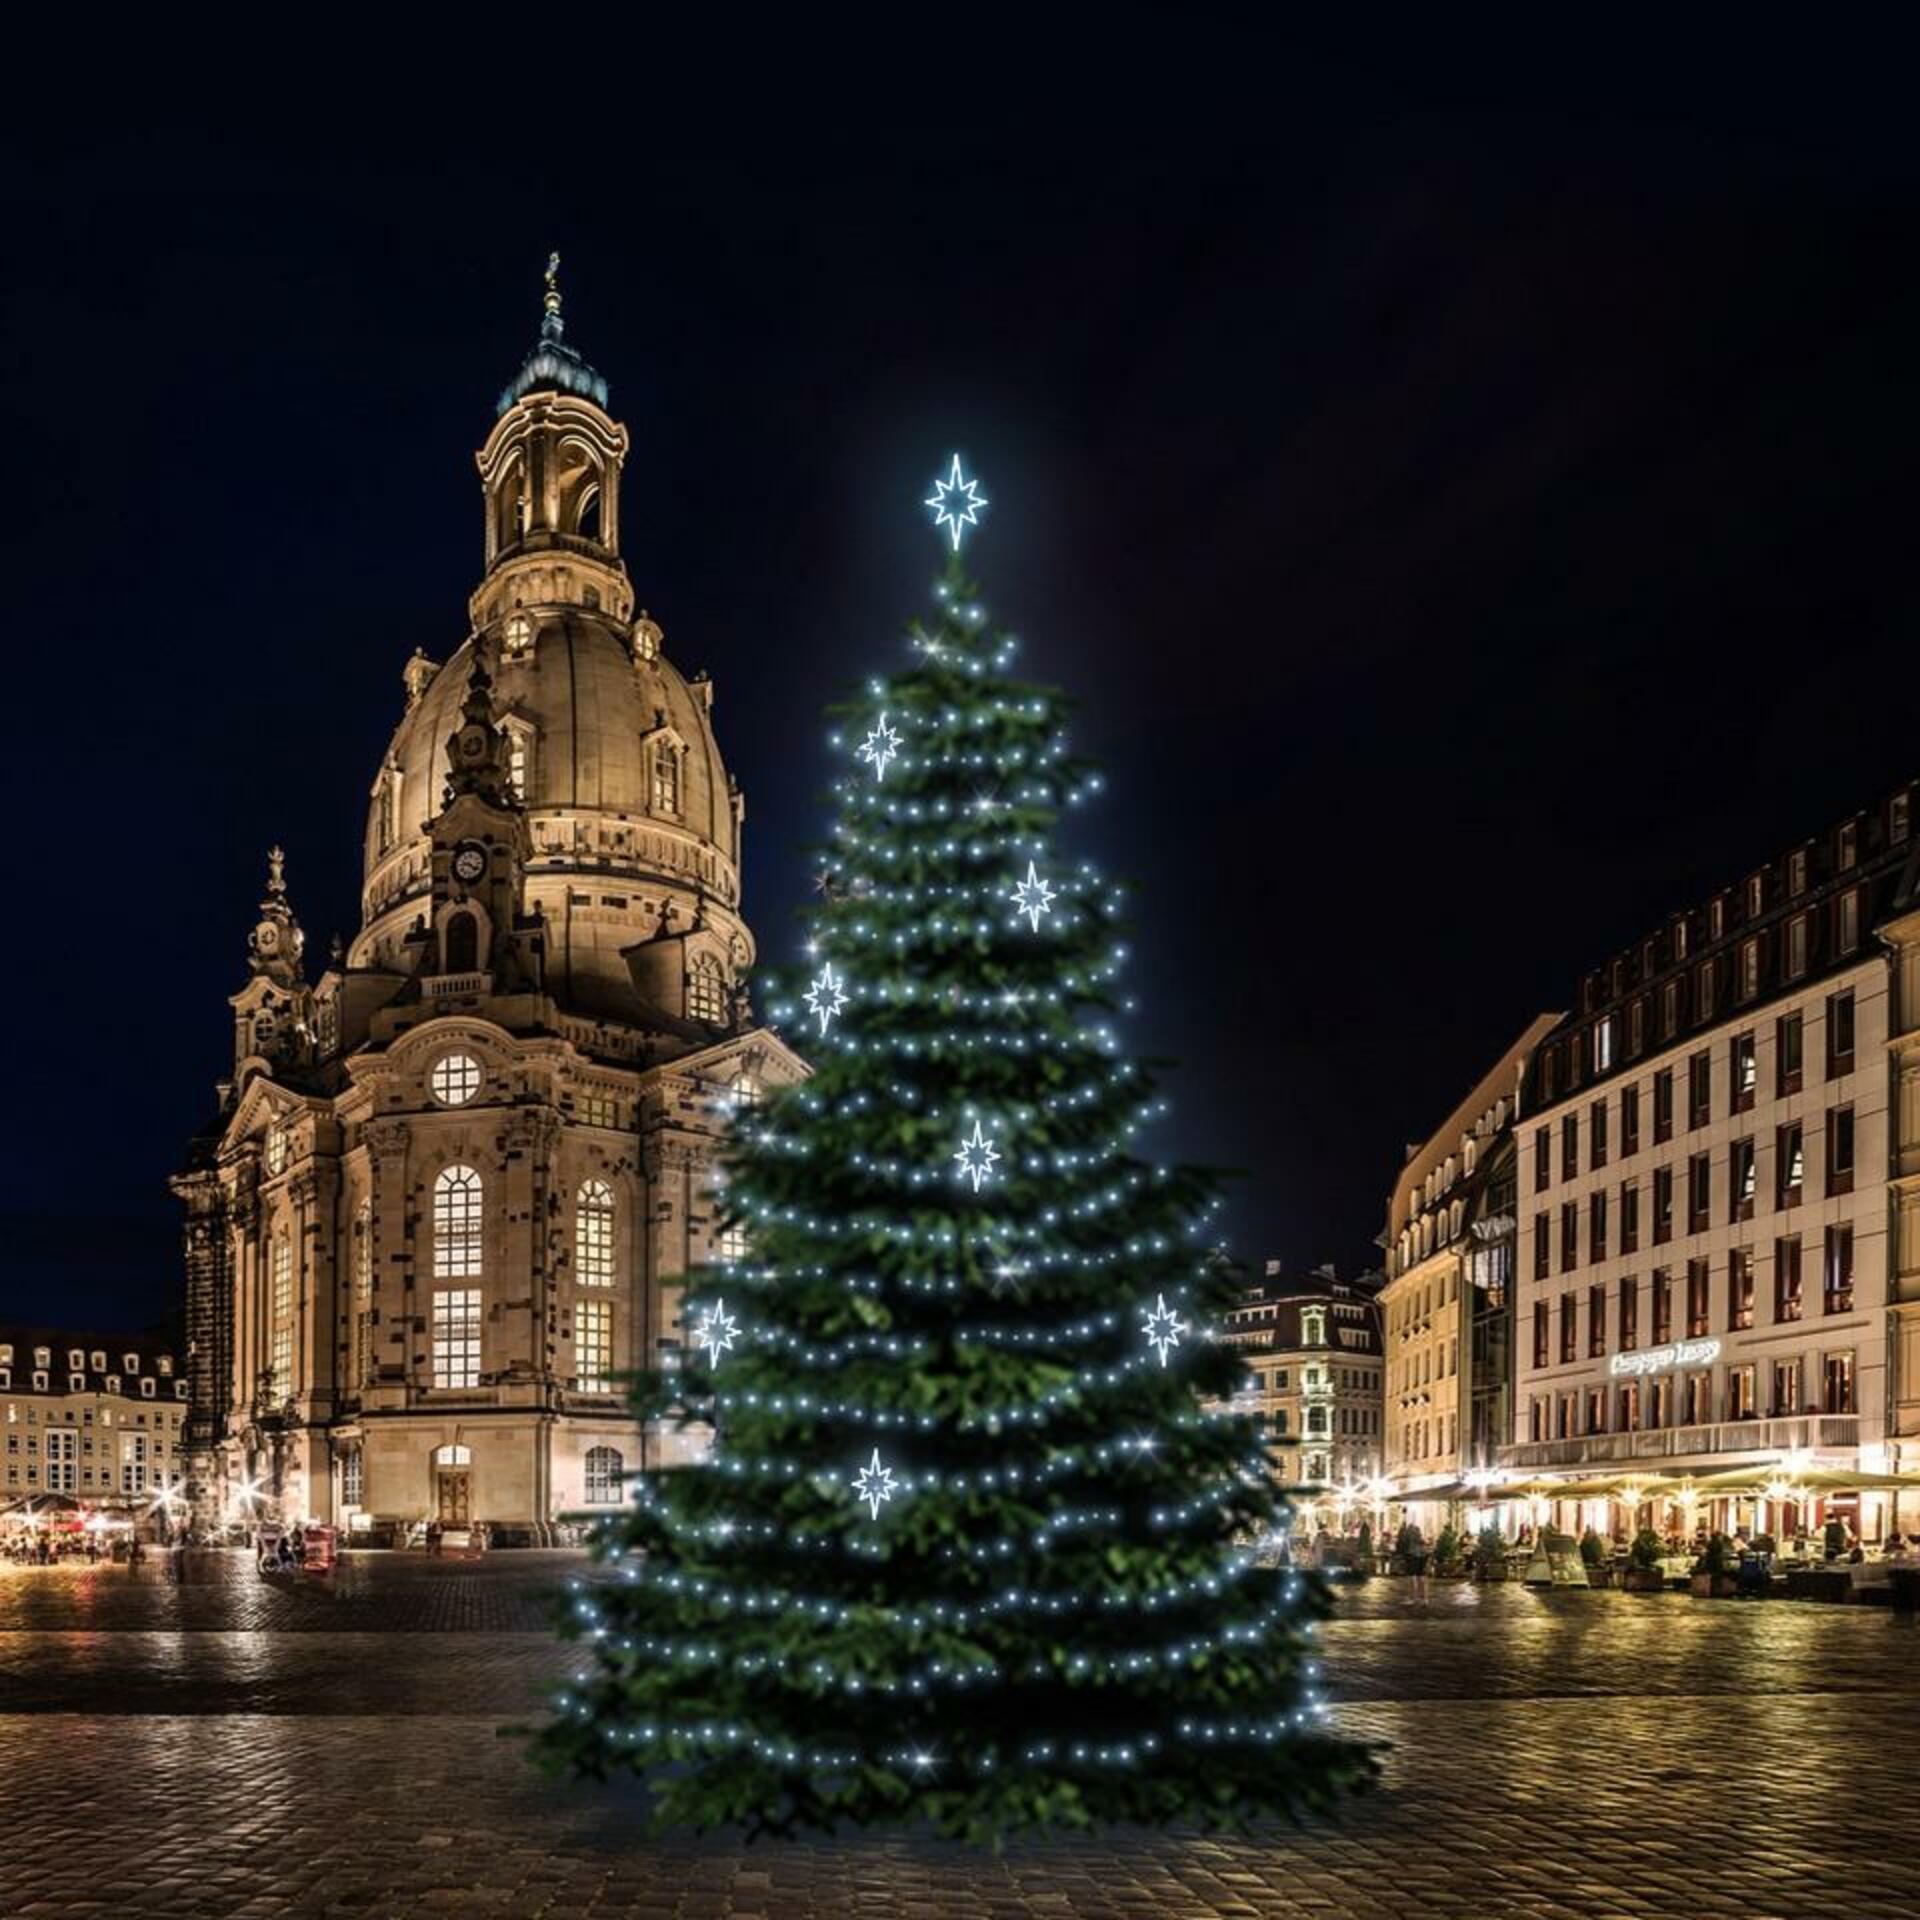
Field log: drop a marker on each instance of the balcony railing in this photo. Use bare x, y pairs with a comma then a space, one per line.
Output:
1676, 1443
457, 986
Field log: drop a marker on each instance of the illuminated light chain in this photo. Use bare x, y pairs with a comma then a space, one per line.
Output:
716, 1331
977, 1157
1065, 1520
1032, 896
1163, 1328
1052, 1602
1060, 1463
1037, 1410
881, 747
723, 1736
958, 1675
956, 502
874, 1484
826, 997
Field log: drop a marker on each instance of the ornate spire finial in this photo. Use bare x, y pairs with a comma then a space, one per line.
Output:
277, 872
551, 325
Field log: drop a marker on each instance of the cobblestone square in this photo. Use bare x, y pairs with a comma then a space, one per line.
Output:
231, 1746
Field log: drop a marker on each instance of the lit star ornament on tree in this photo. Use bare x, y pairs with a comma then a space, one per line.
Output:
716, 1330
1032, 896
956, 502
881, 747
825, 998
874, 1484
977, 1157
1163, 1327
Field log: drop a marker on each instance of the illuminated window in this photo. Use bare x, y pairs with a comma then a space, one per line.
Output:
455, 1079
603, 1476
62, 1451
592, 1345
133, 1463
666, 777
276, 1149
747, 1091
732, 1243
281, 1364
456, 1337
518, 636
593, 1234
456, 1225
706, 991
519, 760
384, 808
282, 1277
352, 1483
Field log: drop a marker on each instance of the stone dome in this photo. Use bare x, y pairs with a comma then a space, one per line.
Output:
634, 826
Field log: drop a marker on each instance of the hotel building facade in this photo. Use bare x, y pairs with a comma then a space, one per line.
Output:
1719, 1181
1447, 1307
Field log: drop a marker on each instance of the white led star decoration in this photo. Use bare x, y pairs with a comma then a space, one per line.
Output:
977, 1157
880, 748
716, 1331
874, 1484
825, 998
1032, 896
956, 502
1163, 1327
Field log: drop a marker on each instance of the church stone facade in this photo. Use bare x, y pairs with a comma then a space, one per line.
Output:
453, 1185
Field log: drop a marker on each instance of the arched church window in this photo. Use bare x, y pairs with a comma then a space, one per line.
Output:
604, 1466
593, 1234
747, 1091
517, 636
462, 943
666, 777
587, 517
453, 1455
456, 1224
383, 811
706, 991
276, 1149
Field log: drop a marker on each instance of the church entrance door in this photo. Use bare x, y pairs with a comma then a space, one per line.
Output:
456, 1496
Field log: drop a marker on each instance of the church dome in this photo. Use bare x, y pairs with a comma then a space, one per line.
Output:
633, 826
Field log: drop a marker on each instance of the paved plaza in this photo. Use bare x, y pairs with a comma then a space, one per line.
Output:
234, 1747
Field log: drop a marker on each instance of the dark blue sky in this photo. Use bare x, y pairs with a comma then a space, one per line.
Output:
1473, 523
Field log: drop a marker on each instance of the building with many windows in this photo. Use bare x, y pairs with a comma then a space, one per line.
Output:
1447, 1307
1719, 1180
450, 1188
97, 1417
1312, 1348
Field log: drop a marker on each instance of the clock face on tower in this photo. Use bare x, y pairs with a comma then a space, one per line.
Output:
469, 861
472, 744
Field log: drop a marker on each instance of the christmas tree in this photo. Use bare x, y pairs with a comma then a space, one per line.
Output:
969, 1546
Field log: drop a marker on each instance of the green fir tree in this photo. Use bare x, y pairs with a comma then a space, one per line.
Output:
968, 1548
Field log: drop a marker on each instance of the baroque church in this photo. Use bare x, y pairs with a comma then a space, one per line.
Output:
453, 1185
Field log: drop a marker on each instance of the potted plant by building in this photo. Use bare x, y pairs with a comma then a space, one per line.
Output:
1490, 1554
1643, 1572
1447, 1556
1716, 1574
1363, 1550
1408, 1545
1593, 1556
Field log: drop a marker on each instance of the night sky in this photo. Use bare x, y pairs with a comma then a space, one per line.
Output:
1470, 530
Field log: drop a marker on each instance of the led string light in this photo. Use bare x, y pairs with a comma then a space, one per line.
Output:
938, 1614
